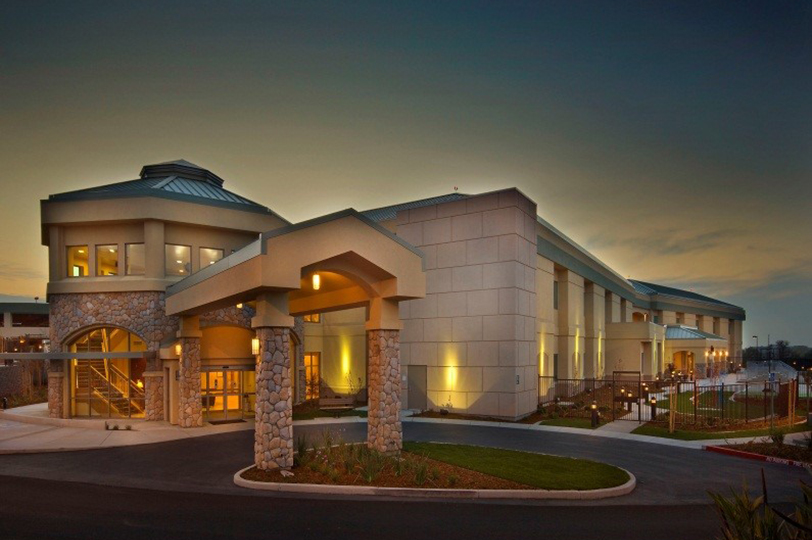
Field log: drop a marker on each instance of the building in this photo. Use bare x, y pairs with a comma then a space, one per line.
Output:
23, 329
173, 298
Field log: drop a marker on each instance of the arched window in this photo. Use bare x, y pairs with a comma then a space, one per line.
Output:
107, 386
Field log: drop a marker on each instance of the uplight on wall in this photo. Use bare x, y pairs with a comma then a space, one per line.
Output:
255, 346
316, 282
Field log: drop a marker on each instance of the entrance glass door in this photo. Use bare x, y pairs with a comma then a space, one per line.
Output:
228, 394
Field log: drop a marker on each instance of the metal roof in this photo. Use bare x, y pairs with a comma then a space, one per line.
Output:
180, 180
386, 213
652, 289
687, 332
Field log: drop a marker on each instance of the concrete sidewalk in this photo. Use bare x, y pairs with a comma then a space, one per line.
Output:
54, 435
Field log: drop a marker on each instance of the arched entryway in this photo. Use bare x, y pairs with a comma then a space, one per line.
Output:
106, 379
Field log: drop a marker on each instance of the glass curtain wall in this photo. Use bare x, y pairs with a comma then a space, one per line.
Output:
108, 387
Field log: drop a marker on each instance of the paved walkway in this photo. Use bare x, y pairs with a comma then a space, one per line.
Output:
18, 437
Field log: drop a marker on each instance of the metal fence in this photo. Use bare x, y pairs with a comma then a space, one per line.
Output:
626, 396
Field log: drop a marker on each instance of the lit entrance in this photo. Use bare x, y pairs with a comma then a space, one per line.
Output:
228, 393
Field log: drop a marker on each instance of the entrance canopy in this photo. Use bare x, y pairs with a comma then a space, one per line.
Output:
357, 262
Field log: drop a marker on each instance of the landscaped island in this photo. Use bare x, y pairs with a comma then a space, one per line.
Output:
444, 466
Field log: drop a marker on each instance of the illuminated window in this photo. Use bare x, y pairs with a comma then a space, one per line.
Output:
314, 318
312, 380
77, 261
178, 260
209, 256
107, 386
135, 257
107, 260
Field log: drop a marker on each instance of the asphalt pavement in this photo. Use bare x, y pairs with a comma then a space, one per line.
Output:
184, 489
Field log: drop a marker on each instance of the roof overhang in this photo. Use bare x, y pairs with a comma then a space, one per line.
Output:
376, 262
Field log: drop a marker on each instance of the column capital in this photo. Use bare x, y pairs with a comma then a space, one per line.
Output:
189, 327
383, 315
272, 312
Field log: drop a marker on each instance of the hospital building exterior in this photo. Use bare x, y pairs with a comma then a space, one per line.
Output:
172, 298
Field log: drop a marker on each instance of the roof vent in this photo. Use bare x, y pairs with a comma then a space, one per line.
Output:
181, 168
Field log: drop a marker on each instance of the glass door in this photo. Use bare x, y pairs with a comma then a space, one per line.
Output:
228, 394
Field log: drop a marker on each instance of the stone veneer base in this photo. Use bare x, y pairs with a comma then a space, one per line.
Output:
435, 493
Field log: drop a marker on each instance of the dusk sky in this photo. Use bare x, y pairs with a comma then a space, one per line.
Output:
673, 141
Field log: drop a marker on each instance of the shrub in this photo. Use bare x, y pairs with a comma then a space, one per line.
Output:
371, 463
300, 458
420, 472
435, 474
452, 480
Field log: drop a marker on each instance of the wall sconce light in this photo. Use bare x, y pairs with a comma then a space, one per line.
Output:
255, 346
316, 282
177, 349
239, 306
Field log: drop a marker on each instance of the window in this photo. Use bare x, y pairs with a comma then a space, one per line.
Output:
108, 386
680, 318
555, 365
314, 318
29, 320
209, 256
178, 260
555, 295
77, 261
135, 265
107, 260
312, 379
656, 319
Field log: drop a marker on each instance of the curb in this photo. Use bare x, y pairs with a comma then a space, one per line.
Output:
438, 493
756, 457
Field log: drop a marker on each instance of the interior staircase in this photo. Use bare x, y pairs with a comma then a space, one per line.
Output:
107, 387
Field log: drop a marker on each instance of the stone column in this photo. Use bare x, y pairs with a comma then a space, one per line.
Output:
190, 406
56, 389
384, 431
273, 432
154, 395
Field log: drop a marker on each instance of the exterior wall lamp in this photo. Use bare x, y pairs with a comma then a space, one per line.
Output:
177, 349
316, 282
255, 346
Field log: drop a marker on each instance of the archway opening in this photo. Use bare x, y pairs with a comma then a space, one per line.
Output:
111, 384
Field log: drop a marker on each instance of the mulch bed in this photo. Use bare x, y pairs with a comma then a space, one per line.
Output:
439, 475
783, 451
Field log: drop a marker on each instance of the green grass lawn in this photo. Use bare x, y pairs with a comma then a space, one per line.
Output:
537, 470
687, 435
310, 414
583, 423
709, 404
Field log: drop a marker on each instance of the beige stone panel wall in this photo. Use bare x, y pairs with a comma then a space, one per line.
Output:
571, 324
612, 307
547, 316
689, 319
668, 317
479, 313
594, 330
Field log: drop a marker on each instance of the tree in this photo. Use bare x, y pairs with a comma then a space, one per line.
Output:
750, 354
782, 350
